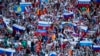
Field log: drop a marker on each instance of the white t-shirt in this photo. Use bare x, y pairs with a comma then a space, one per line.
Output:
46, 54
29, 43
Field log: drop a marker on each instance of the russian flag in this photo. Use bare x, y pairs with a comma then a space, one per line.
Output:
18, 28
68, 15
86, 43
84, 3
9, 52
41, 32
96, 48
44, 25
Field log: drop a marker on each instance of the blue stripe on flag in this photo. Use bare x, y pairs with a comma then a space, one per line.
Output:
45, 25
18, 27
98, 1
41, 31
86, 43
96, 47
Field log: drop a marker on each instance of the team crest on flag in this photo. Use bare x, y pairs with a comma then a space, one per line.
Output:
19, 9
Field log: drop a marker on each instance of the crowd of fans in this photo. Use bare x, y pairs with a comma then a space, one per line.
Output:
59, 38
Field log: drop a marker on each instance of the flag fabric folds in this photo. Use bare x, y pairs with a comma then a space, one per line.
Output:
18, 28
96, 48
42, 25
41, 32
68, 15
9, 52
42, 28
84, 3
